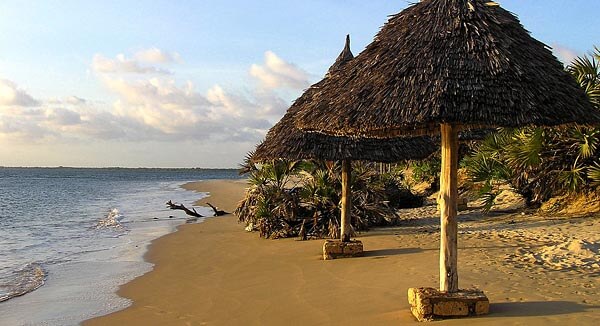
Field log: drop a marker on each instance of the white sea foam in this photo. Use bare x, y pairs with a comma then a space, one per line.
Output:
24, 280
111, 220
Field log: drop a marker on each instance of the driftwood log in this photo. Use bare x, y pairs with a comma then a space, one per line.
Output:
217, 212
193, 212
189, 212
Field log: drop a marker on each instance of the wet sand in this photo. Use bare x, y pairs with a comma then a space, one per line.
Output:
535, 271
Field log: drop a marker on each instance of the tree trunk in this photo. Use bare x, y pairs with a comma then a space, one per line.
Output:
346, 228
448, 199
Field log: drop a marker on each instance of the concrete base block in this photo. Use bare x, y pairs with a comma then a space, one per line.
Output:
430, 304
333, 249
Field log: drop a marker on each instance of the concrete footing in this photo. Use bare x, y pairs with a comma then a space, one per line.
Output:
430, 304
333, 249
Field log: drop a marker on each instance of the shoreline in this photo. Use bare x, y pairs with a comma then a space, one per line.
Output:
100, 251
212, 189
215, 273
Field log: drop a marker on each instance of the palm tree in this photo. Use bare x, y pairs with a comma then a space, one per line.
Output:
270, 205
542, 162
587, 72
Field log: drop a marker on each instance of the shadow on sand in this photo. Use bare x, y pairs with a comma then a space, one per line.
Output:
392, 252
537, 308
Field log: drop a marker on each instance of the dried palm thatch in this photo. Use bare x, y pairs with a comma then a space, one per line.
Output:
469, 63
285, 141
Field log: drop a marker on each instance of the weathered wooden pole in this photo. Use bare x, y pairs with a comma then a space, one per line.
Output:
346, 206
448, 199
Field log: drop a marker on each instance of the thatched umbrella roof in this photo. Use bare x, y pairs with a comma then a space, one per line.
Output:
469, 63
284, 140
438, 67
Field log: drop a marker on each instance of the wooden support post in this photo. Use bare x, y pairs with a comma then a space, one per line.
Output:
448, 200
346, 228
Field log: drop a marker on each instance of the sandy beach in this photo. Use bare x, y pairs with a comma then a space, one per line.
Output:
535, 270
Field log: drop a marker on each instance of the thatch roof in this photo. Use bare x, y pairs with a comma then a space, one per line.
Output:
344, 57
284, 140
466, 62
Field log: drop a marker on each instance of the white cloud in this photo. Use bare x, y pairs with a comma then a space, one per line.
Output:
277, 73
154, 108
159, 103
564, 54
224, 104
161, 90
271, 104
180, 112
69, 100
63, 117
24, 123
155, 55
74, 100
11, 95
121, 64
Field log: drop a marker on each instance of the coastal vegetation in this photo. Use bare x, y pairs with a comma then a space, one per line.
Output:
540, 163
301, 198
289, 198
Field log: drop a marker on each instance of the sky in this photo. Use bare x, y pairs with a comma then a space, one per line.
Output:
190, 83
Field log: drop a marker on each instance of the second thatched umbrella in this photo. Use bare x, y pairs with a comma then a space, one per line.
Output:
438, 67
285, 141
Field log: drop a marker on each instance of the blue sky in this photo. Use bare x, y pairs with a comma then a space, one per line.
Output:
139, 83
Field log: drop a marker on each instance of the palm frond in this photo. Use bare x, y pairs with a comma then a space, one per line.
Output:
593, 173
587, 141
247, 164
573, 178
526, 151
586, 70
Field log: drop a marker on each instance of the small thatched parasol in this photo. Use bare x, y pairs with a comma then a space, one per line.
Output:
454, 64
286, 141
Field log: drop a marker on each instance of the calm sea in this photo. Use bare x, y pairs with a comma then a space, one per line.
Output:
69, 237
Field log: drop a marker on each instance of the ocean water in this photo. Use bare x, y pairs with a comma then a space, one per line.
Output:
69, 237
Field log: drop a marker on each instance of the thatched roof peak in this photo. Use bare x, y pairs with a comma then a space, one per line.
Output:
344, 57
466, 62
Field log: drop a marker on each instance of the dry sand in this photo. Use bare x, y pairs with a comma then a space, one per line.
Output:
535, 271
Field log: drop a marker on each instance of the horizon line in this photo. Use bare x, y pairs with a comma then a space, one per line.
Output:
116, 167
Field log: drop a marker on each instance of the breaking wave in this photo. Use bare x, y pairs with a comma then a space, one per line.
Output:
22, 281
111, 220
